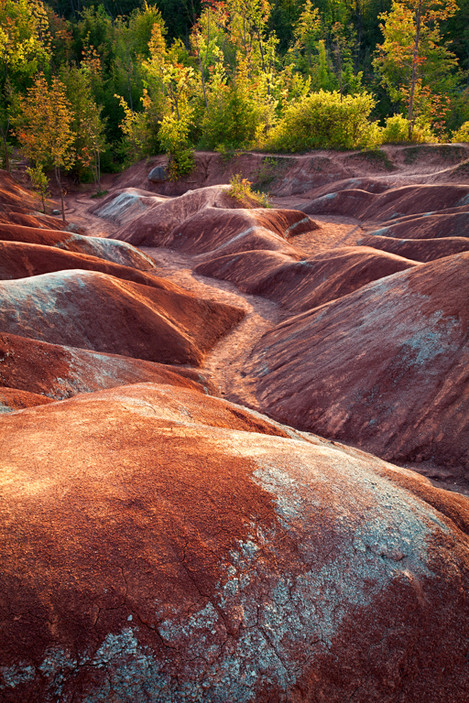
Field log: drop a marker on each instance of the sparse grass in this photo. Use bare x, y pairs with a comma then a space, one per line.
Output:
411, 154
447, 152
241, 190
375, 157
379, 158
227, 153
270, 169
462, 169
99, 194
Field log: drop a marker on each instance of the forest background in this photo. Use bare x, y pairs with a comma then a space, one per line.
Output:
88, 85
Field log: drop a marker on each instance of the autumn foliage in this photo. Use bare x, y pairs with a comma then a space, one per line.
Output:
86, 84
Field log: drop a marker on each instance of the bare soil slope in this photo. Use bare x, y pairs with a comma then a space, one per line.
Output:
371, 205
385, 367
165, 545
161, 543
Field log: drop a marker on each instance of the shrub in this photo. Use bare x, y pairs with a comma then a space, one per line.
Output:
241, 190
324, 120
236, 114
174, 140
39, 183
396, 131
461, 134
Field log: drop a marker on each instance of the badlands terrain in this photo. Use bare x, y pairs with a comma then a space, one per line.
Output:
234, 440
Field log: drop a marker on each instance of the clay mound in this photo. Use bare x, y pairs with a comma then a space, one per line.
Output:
12, 399
431, 226
413, 199
13, 195
207, 561
28, 219
332, 274
351, 202
302, 285
418, 249
433, 155
459, 173
60, 372
19, 260
102, 313
228, 231
370, 185
153, 226
245, 268
126, 204
384, 368
393, 203
109, 249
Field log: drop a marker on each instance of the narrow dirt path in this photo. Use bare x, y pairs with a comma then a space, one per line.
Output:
224, 363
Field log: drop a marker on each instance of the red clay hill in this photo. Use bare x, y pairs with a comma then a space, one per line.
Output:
161, 543
384, 367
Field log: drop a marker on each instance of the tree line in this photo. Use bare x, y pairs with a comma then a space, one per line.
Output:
87, 85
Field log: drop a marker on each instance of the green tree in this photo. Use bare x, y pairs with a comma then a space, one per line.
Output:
342, 47
208, 37
43, 127
39, 183
307, 33
86, 125
415, 65
24, 50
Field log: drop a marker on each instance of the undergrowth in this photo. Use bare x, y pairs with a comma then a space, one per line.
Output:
241, 190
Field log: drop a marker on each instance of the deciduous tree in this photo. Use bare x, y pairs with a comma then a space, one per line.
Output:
43, 128
413, 61
24, 50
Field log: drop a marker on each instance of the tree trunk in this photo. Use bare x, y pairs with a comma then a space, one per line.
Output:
6, 156
97, 169
202, 77
59, 183
413, 80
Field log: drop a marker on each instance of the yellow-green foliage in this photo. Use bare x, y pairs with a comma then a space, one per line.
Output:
235, 114
324, 120
396, 131
241, 190
461, 134
39, 182
174, 139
